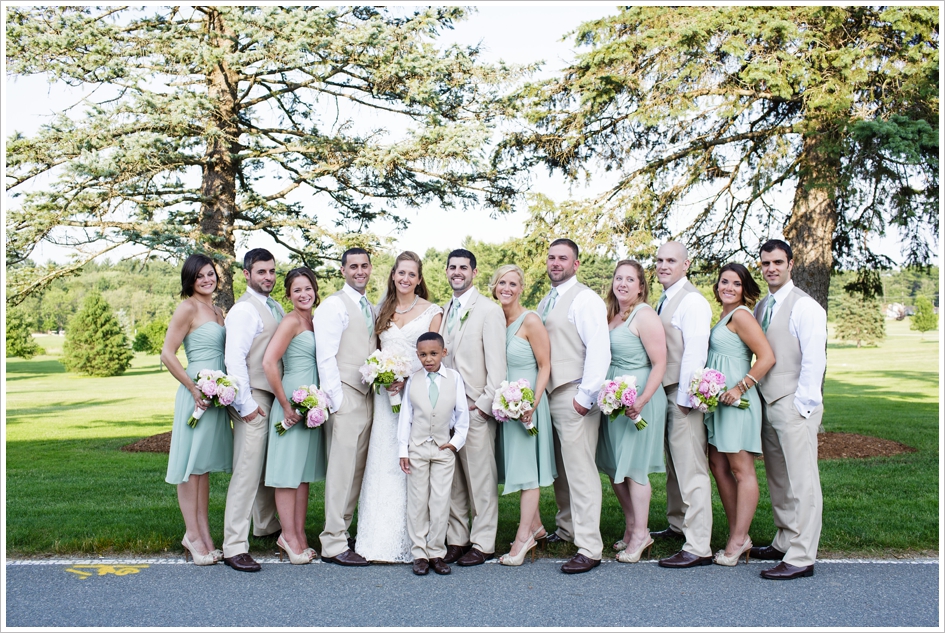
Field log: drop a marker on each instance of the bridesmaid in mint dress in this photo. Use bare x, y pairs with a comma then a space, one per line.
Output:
734, 434
525, 462
625, 454
297, 458
207, 448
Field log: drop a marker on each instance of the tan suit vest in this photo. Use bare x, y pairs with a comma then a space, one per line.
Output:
254, 360
431, 421
674, 337
781, 380
355, 345
568, 351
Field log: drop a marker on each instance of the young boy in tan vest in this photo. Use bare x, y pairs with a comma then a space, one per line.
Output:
435, 404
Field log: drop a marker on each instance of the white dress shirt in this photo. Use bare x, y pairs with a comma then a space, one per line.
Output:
330, 320
808, 324
459, 421
693, 317
243, 324
588, 314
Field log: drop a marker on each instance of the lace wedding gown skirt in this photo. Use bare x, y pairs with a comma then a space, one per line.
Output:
382, 507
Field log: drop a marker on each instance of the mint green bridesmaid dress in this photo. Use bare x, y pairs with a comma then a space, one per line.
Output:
622, 450
731, 429
524, 461
299, 455
207, 448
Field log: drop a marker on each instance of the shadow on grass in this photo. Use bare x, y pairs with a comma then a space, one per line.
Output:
27, 416
26, 369
883, 382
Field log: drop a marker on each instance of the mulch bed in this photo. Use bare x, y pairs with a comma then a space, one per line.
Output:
829, 446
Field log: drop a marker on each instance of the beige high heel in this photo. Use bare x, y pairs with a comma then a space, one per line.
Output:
626, 556
199, 559
620, 545
731, 561
295, 559
217, 555
514, 561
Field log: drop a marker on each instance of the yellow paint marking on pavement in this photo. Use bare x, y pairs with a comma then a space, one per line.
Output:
104, 570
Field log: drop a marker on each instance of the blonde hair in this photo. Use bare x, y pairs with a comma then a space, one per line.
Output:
501, 272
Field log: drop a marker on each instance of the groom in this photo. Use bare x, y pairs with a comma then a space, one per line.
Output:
576, 319
474, 331
250, 324
344, 338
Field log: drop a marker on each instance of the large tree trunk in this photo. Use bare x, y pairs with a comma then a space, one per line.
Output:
218, 209
813, 220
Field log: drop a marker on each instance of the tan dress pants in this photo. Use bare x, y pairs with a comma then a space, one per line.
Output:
428, 499
247, 496
475, 488
688, 489
347, 432
789, 443
577, 488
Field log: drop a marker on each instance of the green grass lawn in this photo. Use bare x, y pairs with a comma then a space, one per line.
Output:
70, 489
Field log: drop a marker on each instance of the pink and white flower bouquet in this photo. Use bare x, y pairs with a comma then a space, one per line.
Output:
216, 387
512, 399
705, 388
616, 396
311, 403
384, 368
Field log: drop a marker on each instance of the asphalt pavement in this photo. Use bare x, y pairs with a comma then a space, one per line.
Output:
164, 592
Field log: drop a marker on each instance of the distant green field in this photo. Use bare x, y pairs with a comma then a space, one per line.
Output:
71, 490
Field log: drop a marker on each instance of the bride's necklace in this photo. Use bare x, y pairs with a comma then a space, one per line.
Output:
415, 300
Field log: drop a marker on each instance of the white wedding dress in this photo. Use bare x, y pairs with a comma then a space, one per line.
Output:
382, 507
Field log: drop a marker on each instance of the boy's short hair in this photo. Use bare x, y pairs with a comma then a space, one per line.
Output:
431, 336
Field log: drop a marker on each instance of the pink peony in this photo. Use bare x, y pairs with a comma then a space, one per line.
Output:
299, 395
315, 418
208, 388
226, 395
629, 397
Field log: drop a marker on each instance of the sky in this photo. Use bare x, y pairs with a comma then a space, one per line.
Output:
517, 33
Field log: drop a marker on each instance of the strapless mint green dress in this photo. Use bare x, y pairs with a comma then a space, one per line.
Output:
524, 461
299, 455
208, 448
731, 429
622, 450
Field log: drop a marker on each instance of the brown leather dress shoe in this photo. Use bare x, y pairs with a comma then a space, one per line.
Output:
242, 562
421, 566
440, 567
455, 552
668, 533
474, 557
765, 553
579, 564
786, 571
553, 538
683, 559
347, 558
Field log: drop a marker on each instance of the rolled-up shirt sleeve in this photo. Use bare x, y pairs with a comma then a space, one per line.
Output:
329, 322
589, 316
242, 326
808, 324
693, 318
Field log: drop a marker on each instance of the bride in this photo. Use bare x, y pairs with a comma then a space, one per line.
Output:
403, 315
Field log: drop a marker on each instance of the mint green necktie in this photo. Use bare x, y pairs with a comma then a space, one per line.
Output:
368, 317
434, 390
549, 304
451, 319
766, 319
659, 306
274, 308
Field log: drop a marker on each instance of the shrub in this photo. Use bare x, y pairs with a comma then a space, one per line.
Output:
860, 320
924, 318
20, 341
95, 342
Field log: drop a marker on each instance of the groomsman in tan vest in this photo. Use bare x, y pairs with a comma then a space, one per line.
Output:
792, 409
576, 319
687, 319
250, 325
473, 329
344, 338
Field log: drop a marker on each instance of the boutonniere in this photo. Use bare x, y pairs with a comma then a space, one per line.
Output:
463, 316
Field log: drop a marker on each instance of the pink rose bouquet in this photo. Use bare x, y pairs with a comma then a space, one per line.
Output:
216, 387
311, 403
617, 396
705, 388
512, 399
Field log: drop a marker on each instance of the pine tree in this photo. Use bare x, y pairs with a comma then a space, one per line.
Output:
861, 320
19, 340
924, 318
95, 342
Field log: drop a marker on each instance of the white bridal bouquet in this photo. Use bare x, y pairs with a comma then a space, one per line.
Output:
382, 369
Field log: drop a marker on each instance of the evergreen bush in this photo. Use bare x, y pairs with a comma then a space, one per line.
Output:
95, 343
20, 341
924, 318
860, 320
